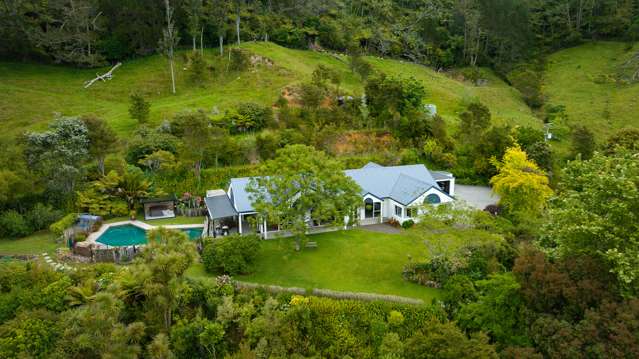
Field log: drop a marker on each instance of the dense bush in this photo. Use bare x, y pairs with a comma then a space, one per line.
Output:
408, 224
240, 59
64, 223
42, 215
14, 225
231, 254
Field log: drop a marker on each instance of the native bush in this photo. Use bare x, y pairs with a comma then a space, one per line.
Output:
63, 223
14, 225
231, 254
42, 215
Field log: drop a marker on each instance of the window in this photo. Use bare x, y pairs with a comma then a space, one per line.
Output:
432, 199
398, 211
411, 212
368, 208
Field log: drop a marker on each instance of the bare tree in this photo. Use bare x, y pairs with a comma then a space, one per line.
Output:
169, 40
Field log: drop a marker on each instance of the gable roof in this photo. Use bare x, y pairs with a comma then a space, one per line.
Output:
402, 184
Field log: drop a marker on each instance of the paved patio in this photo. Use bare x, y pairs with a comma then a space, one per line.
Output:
476, 196
381, 228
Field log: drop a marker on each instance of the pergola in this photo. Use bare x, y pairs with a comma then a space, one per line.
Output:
220, 209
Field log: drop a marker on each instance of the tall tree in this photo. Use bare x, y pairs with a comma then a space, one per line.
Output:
196, 137
102, 139
169, 40
57, 155
304, 185
597, 214
523, 187
217, 14
194, 12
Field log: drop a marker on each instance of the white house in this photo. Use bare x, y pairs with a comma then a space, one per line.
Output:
387, 192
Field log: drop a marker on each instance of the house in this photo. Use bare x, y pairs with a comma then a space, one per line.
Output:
393, 192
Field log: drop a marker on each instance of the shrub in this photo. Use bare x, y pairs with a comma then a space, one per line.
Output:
41, 216
408, 224
260, 116
240, 60
138, 108
230, 255
64, 223
13, 225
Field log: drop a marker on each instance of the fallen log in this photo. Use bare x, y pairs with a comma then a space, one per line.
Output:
103, 77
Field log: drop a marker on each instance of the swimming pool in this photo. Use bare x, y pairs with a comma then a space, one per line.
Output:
129, 235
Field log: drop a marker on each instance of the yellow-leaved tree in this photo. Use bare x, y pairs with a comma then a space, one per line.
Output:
522, 186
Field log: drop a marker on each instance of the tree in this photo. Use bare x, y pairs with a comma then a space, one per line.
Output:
101, 139
217, 14
474, 121
138, 108
230, 255
626, 138
445, 340
156, 280
57, 155
196, 136
597, 214
304, 186
169, 41
522, 186
583, 142
194, 9
498, 311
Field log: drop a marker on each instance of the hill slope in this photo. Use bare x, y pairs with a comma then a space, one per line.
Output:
30, 94
580, 78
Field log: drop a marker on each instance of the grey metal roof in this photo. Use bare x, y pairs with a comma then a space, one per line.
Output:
219, 206
441, 175
400, 183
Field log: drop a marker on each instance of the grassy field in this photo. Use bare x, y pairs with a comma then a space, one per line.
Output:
357, 260
31, 94
574, 79
37, 243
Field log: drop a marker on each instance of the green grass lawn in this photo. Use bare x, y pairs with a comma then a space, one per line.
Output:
30, 94
571, 80
356, 260
34, 244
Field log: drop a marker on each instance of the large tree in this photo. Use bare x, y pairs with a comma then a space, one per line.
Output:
523, 187
304, 185
57, 155
597, 214
102, 139
169, 40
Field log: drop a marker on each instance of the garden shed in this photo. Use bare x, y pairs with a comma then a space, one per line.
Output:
158, 208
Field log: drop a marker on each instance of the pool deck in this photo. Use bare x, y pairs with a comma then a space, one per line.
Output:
92, 238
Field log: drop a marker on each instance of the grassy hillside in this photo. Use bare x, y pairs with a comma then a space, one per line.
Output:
581, 79
30, 94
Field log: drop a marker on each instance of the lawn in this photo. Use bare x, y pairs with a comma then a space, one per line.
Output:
30, 94
356, 260
34, 244
574, 79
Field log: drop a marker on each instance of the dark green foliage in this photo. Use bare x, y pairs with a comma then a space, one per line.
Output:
102, 139
390, 95
231, 254
240, 60
13, 225
360, 66
583, 142
408, 224
139, 108
260, 116
197, 68
474, 121
147, 141
624, 139
527, 79
42, 215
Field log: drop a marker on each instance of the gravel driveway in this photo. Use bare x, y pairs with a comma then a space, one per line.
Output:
476, 196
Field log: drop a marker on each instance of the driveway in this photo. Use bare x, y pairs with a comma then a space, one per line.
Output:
476, 196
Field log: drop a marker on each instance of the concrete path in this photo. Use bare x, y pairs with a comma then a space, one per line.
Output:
476, 196
381, 228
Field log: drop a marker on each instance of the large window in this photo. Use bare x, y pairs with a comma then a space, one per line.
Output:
372, 209
398, 211
411, 212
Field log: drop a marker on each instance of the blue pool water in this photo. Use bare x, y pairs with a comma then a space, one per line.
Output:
129, 235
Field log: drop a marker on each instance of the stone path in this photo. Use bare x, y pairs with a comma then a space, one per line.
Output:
57, 266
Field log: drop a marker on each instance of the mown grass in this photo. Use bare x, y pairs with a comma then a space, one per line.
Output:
30, 94
34, 244
573, 79
356, 260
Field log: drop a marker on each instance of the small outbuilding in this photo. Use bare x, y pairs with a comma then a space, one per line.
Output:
158, 208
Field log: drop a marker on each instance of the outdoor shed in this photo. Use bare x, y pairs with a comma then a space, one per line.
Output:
157, 208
